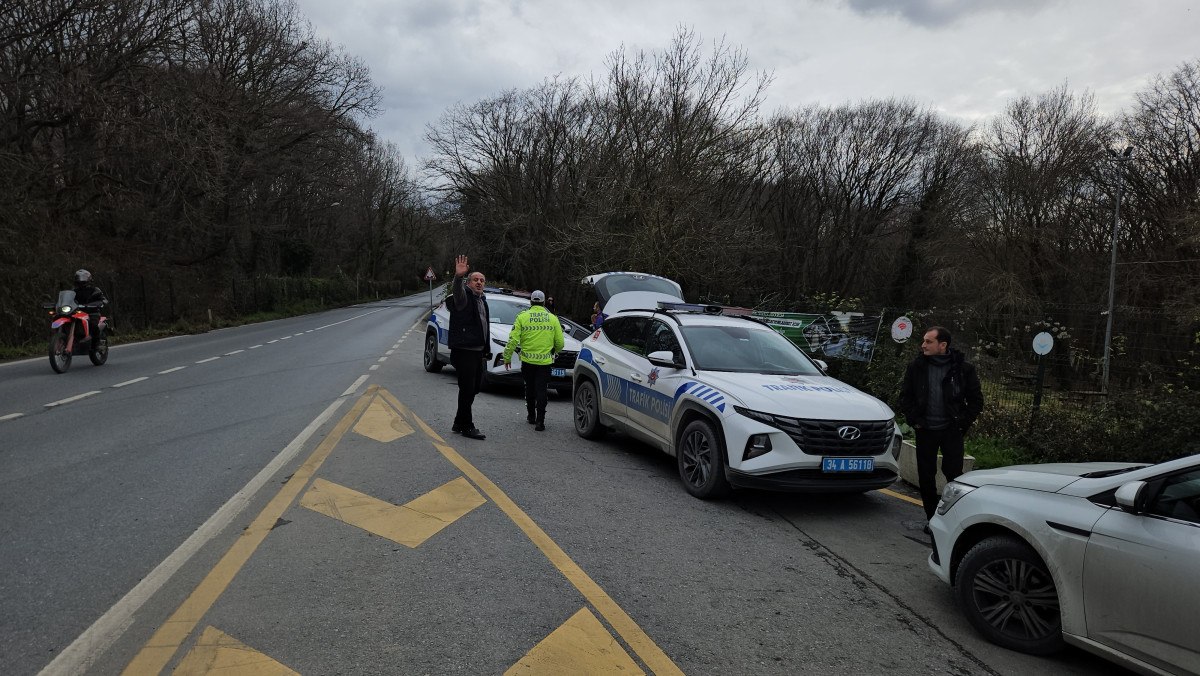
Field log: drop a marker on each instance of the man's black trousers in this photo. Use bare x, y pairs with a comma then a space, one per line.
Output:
950, 442
468, 366
537, 377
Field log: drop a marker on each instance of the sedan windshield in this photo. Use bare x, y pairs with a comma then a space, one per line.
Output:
504, 311
746, 349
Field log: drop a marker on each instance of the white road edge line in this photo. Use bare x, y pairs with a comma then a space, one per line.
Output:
177, 368
358, 383
234, 352
130, 382
98, 638
68, 400
204, 361
11, 416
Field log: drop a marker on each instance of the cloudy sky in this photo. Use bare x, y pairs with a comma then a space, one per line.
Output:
965, 58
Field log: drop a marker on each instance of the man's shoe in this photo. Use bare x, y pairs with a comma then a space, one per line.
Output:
540, 427
927, 531
457, 429
530, 419
473, 433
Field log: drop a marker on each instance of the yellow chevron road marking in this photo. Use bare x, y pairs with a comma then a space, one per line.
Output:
901, 496
410, 524
580, 646
629, 631
216, 652
165, 642
382, 423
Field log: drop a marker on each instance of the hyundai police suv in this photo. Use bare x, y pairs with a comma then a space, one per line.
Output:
734, 401
503, 307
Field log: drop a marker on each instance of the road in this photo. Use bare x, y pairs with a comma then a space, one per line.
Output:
288, 497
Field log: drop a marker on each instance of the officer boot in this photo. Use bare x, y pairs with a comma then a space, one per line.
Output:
540, 425
529, 417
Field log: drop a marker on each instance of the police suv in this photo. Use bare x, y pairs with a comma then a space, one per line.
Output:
734, 401
503, 306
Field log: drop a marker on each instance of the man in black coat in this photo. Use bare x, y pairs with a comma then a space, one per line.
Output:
940, 398
470, 342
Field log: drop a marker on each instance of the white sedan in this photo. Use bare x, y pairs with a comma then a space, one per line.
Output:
504, 308
1104, 556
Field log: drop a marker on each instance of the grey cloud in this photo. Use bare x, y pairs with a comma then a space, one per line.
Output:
938, 13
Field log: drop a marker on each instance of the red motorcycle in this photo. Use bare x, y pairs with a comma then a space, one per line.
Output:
71, 334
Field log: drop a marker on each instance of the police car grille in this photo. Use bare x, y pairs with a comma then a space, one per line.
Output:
821, 437
565, 360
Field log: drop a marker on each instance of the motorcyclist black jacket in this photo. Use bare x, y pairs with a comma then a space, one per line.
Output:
90, 293
962, 395
469, 318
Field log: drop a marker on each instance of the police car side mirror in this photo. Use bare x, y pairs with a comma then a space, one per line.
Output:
821, 363
1131, 497
664, 359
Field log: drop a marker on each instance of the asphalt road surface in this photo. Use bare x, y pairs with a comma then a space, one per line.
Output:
287, 497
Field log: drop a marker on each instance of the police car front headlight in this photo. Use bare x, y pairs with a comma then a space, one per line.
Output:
952, 493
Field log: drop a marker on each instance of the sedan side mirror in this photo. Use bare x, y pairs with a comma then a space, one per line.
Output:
1132, 497
664, 359
822, 364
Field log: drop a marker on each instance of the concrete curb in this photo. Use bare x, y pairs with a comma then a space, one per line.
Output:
908, 466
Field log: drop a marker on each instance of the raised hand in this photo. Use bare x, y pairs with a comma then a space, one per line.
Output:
461, 266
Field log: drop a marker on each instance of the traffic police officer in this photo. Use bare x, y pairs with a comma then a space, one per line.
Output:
539, 336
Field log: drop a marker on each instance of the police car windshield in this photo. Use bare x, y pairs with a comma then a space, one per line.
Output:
504, 311
746, 349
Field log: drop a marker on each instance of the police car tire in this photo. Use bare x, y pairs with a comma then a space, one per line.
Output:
700, 456
431, 360
586, 411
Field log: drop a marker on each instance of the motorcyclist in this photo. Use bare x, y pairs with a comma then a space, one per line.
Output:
86, 292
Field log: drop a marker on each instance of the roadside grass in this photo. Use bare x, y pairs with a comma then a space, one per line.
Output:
990, 452
180, 328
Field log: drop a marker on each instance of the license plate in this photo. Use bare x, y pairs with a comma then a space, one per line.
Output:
558, 373
847, 464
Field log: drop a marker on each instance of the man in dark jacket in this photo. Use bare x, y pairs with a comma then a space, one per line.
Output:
470, 342
940, 398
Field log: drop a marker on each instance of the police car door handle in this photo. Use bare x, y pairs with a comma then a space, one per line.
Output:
635, 377
600, 360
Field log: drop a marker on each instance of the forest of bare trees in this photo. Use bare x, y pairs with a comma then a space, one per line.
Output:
210, 140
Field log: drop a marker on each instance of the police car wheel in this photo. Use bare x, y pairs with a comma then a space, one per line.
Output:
431, 360
701, 461
587, 411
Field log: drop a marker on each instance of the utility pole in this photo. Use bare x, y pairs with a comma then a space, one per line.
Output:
1112, 268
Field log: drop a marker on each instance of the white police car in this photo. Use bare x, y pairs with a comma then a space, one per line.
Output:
733, 400
503, 306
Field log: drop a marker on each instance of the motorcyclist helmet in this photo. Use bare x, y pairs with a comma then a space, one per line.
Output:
82, 278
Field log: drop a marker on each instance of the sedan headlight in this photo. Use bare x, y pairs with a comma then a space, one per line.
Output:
952, 493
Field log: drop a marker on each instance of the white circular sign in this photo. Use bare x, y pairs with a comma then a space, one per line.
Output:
901, 329
1043, 343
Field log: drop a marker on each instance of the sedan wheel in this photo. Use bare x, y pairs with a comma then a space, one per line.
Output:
431, 359
1007, 593
701, 459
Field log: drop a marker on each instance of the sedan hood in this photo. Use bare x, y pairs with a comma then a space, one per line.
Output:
1050, 477
809, 397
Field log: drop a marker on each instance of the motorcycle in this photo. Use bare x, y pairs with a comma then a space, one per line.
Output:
70, 333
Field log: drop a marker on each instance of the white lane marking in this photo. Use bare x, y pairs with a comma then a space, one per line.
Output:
297, 335
11, 416
234, 352
177, 368
352, 318
389, 352
285, 337
83, 651
374, 367
130, 382
205, 361
255, 347
272, 341
68, 400
382, 359
310, 330
361, 379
